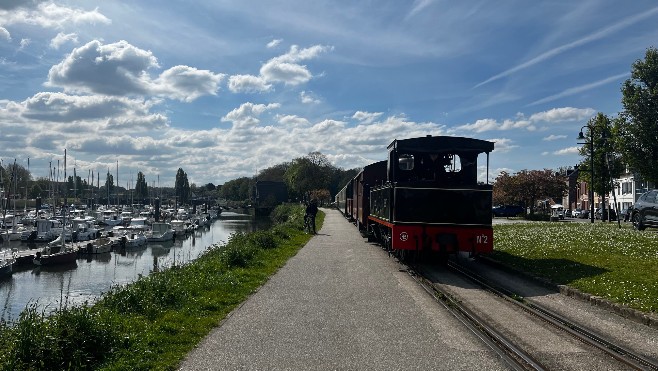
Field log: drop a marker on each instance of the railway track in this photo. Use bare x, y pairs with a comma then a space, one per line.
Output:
453, 286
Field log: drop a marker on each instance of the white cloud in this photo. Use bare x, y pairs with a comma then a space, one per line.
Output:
366, 117
122, 69
24, 43
554, 137
247, 114
274, 43
282, 69
564, 114
248, 84
286, 69
5, 34
63, 38
308, 98
50, 15
566, 151
187, 83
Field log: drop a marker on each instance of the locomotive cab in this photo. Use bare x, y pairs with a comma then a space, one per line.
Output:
432, 200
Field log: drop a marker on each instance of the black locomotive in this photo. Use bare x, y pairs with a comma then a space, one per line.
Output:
425, 198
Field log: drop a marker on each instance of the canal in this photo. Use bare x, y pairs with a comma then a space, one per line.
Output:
53, 287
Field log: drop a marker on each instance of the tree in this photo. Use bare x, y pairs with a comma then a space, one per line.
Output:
607, 162
237, 189
182, 187
638, 124
529, 186
309, 173
274, 173
109, 183
141, 188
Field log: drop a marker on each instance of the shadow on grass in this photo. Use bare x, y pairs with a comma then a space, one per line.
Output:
557, 271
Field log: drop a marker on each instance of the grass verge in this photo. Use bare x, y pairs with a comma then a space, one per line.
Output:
620, 265
154, 322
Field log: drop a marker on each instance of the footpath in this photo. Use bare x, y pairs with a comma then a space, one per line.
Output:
341, 304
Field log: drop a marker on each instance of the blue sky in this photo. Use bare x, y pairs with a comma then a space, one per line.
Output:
223, 89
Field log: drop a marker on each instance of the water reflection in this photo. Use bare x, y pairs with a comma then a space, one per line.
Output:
91, 275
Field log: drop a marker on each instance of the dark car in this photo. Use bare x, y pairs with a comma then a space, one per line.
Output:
603, 214
645, 211
507, 210
584, 214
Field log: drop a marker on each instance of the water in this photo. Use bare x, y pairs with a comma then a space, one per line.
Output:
53, 287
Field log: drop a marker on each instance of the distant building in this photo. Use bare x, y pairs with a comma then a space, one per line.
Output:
267, 195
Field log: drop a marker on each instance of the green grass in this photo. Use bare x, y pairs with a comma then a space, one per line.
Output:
154, 322
620, 265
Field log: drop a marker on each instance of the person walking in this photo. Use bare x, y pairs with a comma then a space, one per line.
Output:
311, 211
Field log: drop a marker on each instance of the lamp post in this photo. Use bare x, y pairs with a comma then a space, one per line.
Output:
591, 168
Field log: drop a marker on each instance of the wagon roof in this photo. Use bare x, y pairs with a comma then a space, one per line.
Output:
441, 144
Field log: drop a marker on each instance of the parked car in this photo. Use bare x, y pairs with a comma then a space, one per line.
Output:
625, 214
584, 214
576, 213
603, 214
645, 211
507, 210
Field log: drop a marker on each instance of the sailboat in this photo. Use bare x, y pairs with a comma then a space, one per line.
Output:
57, 251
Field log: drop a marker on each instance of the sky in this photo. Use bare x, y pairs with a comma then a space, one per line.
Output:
223, 89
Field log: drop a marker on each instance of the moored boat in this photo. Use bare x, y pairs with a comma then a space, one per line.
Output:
6, 264
160, 232
56, 252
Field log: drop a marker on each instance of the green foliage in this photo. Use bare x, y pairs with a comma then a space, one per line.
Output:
638, 123
78, 338
237, 189
182, 187
141, 188
528, 186
601, 259
607, 163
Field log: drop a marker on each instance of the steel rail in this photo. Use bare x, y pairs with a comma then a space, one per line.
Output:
514, 356
618, 352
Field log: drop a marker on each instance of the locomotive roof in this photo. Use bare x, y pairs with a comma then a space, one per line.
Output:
441, 144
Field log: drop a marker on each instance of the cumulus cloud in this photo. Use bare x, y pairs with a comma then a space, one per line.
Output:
285, 69
112, 69
566, 151
248, 84
308, 98
47, 15
555, 115
564, 114
122, 69
247, 114
63, 38
187, 83
366, 117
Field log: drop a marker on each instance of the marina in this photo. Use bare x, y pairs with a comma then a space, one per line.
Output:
85, 279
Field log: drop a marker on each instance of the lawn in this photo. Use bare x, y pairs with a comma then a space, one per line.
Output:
619, 264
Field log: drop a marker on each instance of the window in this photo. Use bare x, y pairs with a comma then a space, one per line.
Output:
406, 162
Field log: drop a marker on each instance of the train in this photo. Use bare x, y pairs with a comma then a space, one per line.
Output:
425, 199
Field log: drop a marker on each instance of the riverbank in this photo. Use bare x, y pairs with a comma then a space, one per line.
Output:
153, 322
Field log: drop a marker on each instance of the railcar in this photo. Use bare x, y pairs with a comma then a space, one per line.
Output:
431, 201
370, 176
343, 202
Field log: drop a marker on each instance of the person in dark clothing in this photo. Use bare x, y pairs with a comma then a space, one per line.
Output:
311, 211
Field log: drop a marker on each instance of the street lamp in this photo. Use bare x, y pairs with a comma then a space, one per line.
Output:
591, 167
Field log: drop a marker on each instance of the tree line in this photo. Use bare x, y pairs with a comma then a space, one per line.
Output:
308, 177
610, 145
